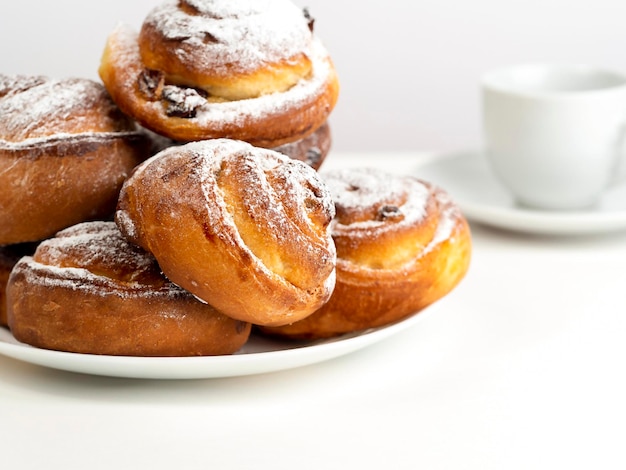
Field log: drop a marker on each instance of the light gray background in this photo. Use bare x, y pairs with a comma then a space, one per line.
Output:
409, 69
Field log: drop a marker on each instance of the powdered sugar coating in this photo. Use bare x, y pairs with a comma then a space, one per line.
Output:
292, 183
98, 243
236, 35
274, 103
39, 107
233, 8
63, 140
374, 208
211, 155
83, 280
286, 195
448, 219
11, 84
280, 203
362, 191
93, 257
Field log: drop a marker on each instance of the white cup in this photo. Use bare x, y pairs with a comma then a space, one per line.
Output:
554, 133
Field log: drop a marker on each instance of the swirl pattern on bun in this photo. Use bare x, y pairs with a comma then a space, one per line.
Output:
243, 228
88, 290
402, 244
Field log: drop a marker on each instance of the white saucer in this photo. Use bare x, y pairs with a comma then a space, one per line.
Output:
469, 180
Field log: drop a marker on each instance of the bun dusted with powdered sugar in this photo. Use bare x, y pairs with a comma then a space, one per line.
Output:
243, 228
402, 244
65, 149
250, 70
88, 290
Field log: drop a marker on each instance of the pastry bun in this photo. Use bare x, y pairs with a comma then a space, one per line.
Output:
402, 244
65, 149
89, 291
246, 70
243, 228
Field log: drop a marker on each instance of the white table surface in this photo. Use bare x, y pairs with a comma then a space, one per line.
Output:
522, 366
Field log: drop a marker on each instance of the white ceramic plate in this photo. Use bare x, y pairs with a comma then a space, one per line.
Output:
259, 355
469, 180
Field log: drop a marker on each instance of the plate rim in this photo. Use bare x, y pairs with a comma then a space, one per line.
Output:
203, 367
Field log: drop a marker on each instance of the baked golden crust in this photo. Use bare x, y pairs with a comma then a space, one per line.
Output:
89, 291
231, 50
402, 244
252, 71
243, 228
65, 149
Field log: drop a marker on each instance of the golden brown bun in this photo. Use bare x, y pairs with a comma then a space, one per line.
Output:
252, 71
312, 149
231, 50
9, 256
89, 291
65, 149
243, 228
401, 244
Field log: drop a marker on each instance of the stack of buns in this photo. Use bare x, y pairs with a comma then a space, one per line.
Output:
179, 207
